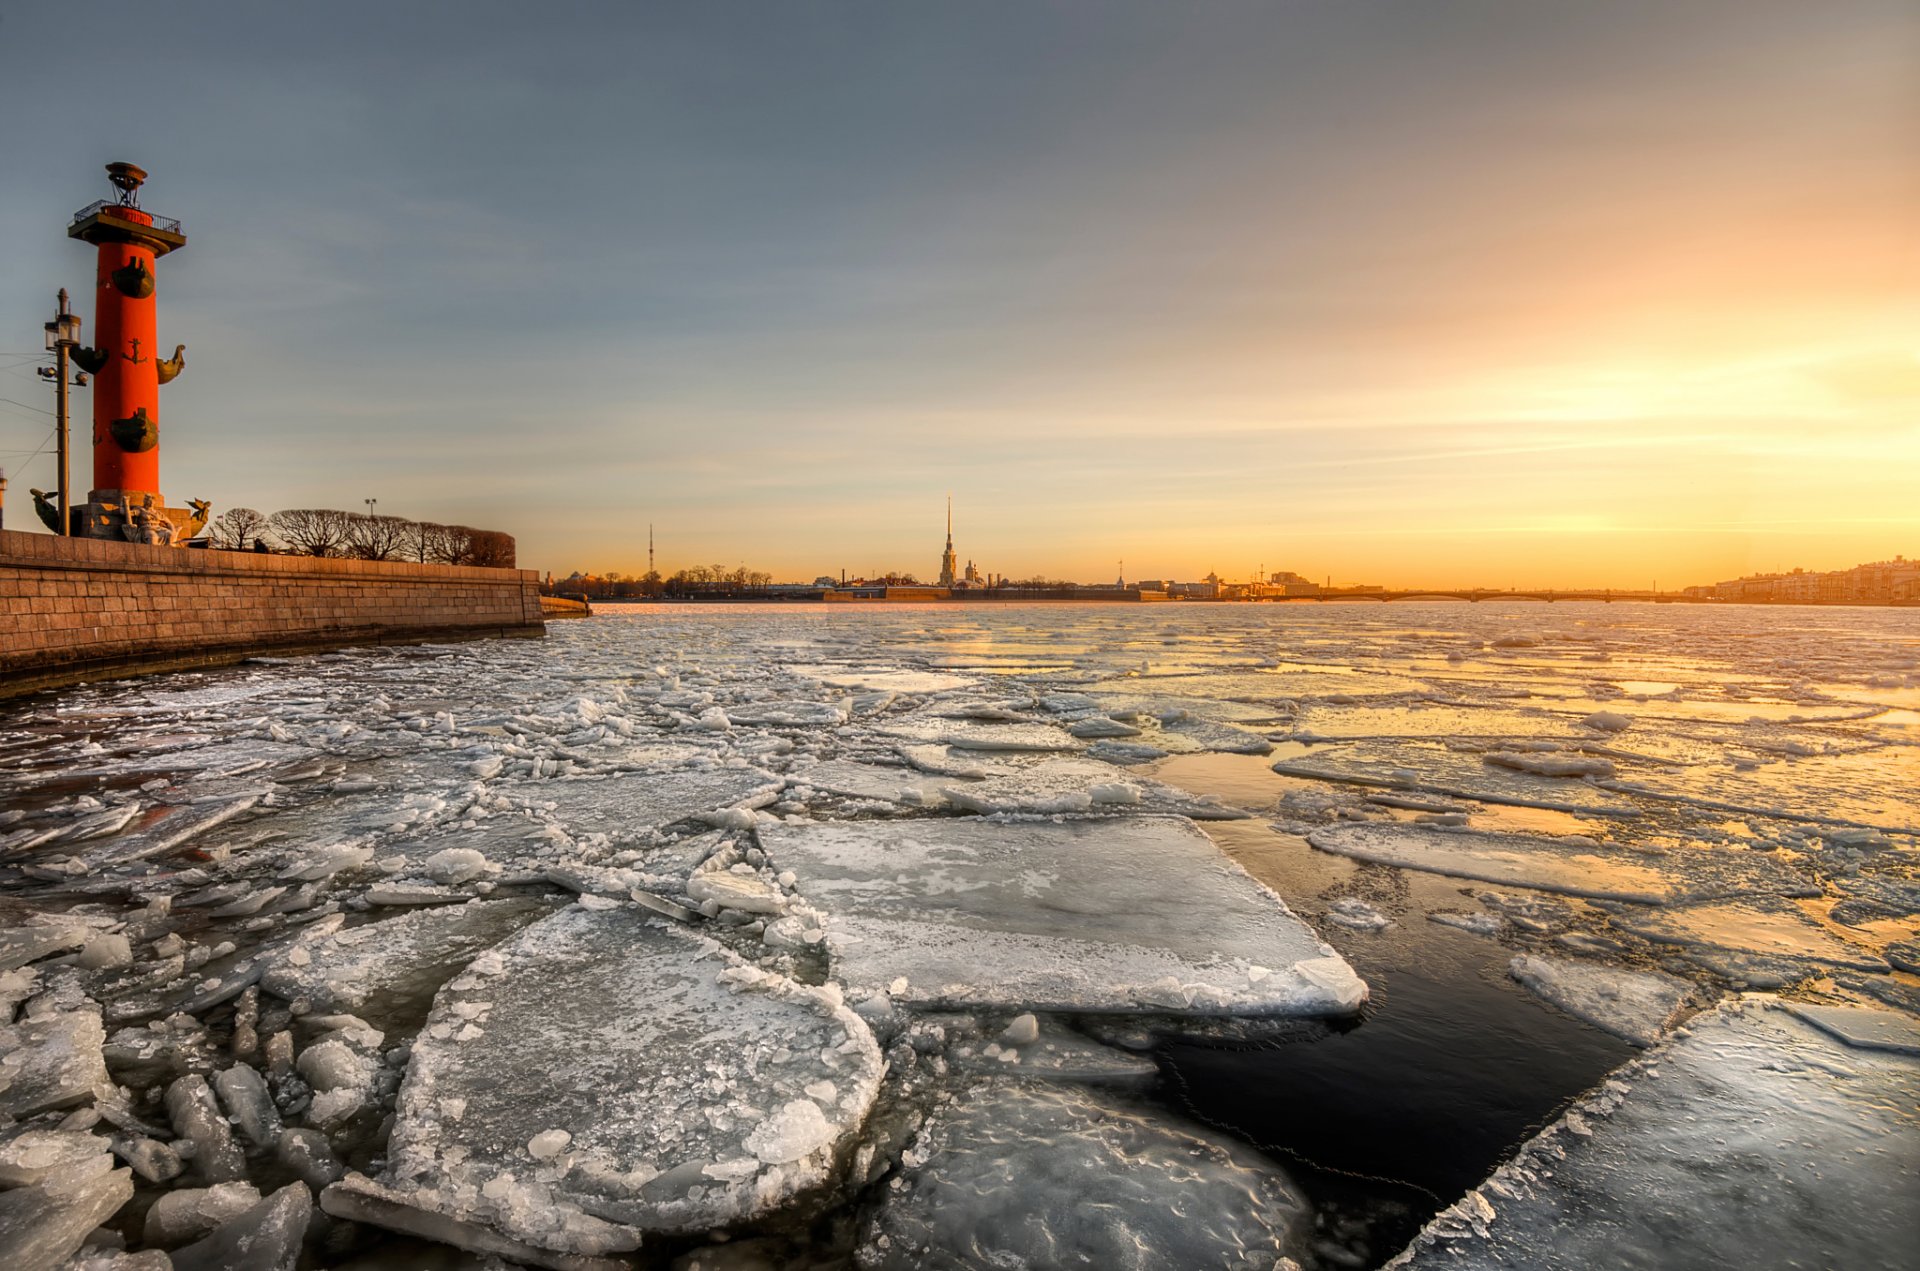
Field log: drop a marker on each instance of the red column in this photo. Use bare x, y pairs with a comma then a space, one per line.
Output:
126, 390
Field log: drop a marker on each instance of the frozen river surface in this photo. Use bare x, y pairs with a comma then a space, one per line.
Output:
1090, 936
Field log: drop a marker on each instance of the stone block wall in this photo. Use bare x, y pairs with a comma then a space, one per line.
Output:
78, 609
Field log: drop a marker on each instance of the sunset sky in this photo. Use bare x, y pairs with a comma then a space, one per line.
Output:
1427, 292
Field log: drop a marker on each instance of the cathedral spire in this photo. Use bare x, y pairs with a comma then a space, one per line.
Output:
949, 572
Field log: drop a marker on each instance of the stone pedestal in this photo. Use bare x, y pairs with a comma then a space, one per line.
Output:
135, 516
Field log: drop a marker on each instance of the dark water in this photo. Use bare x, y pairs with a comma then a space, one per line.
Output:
1389, 1119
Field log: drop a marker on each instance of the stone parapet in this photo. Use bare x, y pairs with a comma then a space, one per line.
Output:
76, 609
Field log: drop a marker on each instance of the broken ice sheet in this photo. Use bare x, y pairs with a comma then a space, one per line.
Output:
1082, 785
1126, 914
1635, 1006
1437, 769
633, 805
966, 734
1773, 929
50, 1062
1750, 1139
986, 1185
1862, 1027
1573, 866
598, 1076
886, 679
387, 972
869, 781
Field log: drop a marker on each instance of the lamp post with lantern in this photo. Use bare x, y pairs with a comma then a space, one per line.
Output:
63, 336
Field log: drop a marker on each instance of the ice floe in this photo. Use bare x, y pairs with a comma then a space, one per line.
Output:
678, 1076
1574, 866
1751, 1138
1635, 1006
1016, 1175
1128, 914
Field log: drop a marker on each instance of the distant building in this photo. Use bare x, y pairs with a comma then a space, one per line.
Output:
948, 574
1875, 583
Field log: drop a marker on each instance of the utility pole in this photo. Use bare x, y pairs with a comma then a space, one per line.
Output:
63, 335
369, 503
650, 568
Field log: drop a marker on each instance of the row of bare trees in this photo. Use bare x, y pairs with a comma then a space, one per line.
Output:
327, 532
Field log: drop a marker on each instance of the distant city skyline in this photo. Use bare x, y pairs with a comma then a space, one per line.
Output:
1486, 292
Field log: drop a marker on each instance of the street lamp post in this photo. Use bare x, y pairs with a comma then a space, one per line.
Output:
63, 336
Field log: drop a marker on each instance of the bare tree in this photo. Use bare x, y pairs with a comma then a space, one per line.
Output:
234, 527
490, 549
378, 537
311, 531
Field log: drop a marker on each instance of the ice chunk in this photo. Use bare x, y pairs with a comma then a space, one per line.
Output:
658, 1054
1772, 930
389, 971
1054, 1052
988, 1173
1097, 727
42, 1226
632, 806
1122, 752
152, 1160
735, 891
946, 761
1862, 1026
794, 1132
970, 735
249, 1106
886, 680
307, 1155
455, 865
107, 951
1635, 1006
1750, 1139
360, 1199
50, 1062
1356, 914
31, 1156
788, 714
867, 781
196, 1118
188, 1213
33, 941
1140, 913
1608, 721
175, 827
1572, 866
1081, 785
266, 1237
1552, 764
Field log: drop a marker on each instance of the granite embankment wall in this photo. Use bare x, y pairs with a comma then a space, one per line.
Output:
82, 609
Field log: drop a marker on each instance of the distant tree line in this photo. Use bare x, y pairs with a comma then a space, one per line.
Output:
696, 580
358, 536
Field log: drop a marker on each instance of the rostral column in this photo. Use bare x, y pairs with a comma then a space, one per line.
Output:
128, 371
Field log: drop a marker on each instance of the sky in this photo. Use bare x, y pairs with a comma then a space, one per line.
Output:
1410, 292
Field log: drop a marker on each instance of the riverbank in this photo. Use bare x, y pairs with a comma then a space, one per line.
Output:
73, 610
